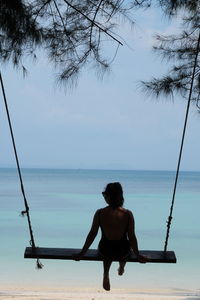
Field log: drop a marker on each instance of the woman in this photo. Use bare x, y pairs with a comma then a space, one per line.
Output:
118, 232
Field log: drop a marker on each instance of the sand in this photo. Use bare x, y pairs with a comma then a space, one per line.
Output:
67, 293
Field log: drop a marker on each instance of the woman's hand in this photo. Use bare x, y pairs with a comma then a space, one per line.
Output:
142, 259
78, 256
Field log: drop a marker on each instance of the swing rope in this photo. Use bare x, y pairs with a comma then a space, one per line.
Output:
182, 142
26, 211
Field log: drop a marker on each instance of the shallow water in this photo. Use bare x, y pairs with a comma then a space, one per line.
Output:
62, 204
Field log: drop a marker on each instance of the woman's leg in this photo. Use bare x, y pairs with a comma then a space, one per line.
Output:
106, 279
121, 267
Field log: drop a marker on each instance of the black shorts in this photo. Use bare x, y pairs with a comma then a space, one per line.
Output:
114, 249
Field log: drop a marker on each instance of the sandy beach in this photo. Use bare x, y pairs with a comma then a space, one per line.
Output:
67, 293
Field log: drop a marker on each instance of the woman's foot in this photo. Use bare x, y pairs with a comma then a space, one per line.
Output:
106, 283
121, 268
121, 271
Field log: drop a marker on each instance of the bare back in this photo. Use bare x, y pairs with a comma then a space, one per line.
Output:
114, 222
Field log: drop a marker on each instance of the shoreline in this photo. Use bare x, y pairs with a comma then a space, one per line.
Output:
79, 293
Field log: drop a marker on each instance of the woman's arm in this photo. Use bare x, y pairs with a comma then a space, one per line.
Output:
90, 237
133, 239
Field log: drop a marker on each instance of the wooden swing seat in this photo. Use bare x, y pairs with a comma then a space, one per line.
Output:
93, 255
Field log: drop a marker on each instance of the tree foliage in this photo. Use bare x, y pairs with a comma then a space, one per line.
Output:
72, 32
19, 33
181, 50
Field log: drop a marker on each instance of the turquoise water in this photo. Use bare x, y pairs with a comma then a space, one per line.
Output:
62, 204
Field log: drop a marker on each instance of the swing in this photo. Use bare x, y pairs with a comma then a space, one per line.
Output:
92, 254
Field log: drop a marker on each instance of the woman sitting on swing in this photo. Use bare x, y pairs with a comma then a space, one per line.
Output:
118, 238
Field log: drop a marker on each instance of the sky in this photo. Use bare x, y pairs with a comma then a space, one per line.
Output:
102, 123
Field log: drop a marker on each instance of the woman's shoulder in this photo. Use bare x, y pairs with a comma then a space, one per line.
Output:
126, 210
101, 210
106, 209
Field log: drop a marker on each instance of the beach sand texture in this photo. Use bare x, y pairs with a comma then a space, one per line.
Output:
60, 293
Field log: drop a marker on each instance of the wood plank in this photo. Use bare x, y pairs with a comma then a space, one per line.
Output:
93, 255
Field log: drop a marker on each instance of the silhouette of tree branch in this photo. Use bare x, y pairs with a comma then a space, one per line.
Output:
182, 49
70, 31
92, 22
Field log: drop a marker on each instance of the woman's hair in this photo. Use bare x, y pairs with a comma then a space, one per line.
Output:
115, 192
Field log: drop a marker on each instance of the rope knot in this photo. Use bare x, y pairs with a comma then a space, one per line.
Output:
169, 221
39, 265
23, 213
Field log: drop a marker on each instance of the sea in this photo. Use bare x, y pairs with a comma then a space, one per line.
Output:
62, 204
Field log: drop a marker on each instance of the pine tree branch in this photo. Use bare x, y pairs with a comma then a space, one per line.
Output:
65, 30
93, 21
41, 8
95, 24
